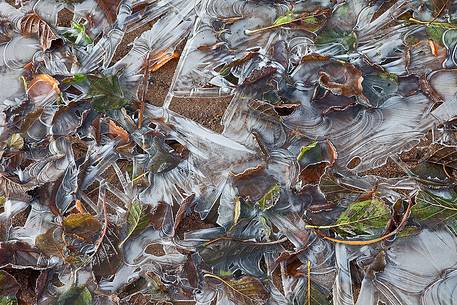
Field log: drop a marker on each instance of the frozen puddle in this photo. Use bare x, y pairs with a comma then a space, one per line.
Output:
332, 182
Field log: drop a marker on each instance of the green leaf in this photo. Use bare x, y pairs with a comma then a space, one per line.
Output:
270, 198
77, 34
363, 217
138, 220
76, 296
285, 19
106, 93
408, 231
438, 207
305, 149
79, 78
9, 300
2, 201
331, 36
435, 34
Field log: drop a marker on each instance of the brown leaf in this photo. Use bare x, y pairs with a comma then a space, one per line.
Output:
158, 215
32, 24
41, 283
84, 226
247, 290
12, 188
8, 284
51, 242
117, 131
346, 81
183, 208
22, 254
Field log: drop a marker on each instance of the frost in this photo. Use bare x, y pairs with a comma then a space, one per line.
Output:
332, 180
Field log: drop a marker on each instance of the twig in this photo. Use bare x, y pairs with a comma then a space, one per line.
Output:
144, 90
309, 282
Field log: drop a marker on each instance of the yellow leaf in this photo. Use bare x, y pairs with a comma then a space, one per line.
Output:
15, 141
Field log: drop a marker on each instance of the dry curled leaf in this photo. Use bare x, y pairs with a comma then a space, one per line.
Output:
32, 24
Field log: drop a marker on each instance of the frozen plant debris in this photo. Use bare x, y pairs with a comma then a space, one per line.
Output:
331, 180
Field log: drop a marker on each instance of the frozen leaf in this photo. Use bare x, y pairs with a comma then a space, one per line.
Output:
75, 296
244, 291
8, 300
231, 255
305, 149
51, 242
16, 141
117, 131
163, 158
8, 285
108, 257
32, 24
137, 220
347, 40
43, 87
21, 254
270, 198
363, 217
435, 206
84, 226
379, 87
11, 187
77, 34
106, 93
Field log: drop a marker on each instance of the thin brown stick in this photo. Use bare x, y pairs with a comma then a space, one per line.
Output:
144, 89
309, 282
439, 12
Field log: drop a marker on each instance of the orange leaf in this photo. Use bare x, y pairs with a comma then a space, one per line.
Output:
162, 59
117, 131
42, 85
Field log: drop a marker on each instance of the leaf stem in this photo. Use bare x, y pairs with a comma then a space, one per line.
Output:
371, 241
445, 25
270, 27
